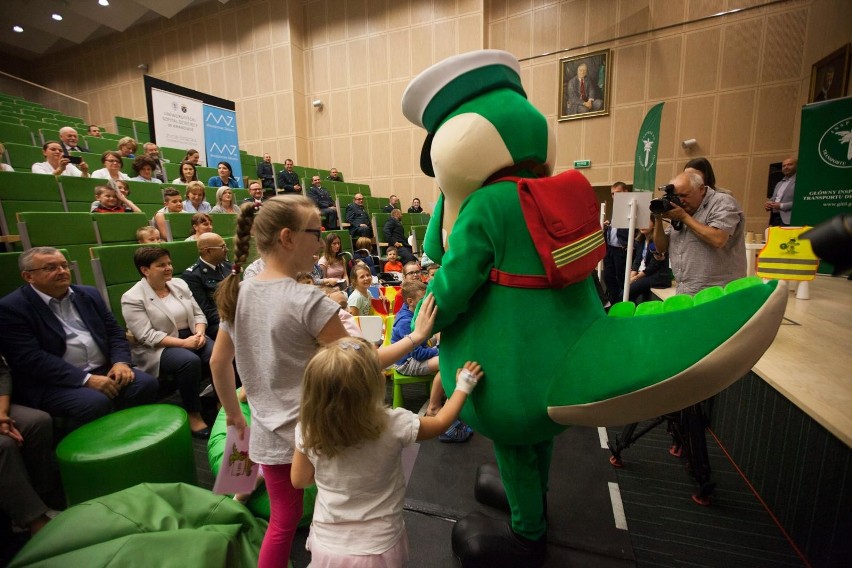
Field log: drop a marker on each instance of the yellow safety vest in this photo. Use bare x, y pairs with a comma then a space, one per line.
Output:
786, 256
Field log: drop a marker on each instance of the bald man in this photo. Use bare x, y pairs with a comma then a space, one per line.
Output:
204, 276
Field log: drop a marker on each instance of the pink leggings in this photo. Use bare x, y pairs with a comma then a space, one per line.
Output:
285, 504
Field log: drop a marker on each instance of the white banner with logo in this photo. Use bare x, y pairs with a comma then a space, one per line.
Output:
178, 121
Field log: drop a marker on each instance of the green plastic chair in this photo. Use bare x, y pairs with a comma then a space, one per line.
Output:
16, 133
72, 231
649, 308
118, 228
23, 156
678, 302
179, 226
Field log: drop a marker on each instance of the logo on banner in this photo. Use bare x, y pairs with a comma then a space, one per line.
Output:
647, 157
835, 145
219, 119
229, 149
179, 107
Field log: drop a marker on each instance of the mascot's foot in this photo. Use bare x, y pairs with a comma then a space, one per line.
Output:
489, 488
480, 541
665, 356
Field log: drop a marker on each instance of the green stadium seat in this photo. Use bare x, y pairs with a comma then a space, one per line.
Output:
92, 160
23, 191
78, 192
118, 228
99, 145
224, 224
23, 156
45, 133
16, 133
174, 155
205, 173
179, 226
124, 126
73, 231
379, 220
172, 170
147, 193
419, 234
11, 280
110, 136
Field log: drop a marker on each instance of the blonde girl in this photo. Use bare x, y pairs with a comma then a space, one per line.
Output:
359, 299
350, 443
275, 341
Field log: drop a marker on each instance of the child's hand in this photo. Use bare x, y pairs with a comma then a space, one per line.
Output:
425, 319
468, 377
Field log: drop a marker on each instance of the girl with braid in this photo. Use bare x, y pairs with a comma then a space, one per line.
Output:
276, 326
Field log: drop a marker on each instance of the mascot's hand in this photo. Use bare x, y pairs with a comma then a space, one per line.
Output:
425, 320
468, 377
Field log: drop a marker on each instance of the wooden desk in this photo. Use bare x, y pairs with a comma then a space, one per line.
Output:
810, 361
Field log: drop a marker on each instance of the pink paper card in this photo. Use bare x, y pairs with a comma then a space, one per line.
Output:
237, 473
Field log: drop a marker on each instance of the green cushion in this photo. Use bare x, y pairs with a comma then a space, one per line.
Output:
259, 501
143, 444
169, 524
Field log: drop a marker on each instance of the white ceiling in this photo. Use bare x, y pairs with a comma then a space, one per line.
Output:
82, 20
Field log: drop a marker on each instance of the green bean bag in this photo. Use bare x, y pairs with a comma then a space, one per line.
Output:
259, 501
151, 524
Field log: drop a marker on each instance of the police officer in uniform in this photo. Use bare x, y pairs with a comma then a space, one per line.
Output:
204, 276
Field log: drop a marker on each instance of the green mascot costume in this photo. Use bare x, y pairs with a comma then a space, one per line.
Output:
517, 248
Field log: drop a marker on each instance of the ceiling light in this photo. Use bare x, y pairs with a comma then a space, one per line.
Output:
103, 2
57, 17
18, 29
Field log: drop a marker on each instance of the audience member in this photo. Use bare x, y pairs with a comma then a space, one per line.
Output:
650, 267
393, 203
68, 355
169, 328
192, 156
358, 218
709, 249
394, 234
4, 167
225, 177
111, 171
195, 201
430, 271
144, 168
353, 523
123, 187
94, 130
324, 201
412, 272
288, 180
27, 471
424, 359
225, 201
153, 152
204, 277
172, 203
111, 200
127, 147
364, 255
332, 260
337, 296
253, 269
359, 300
415, 206
201, 224
256, 195
147, 235
334, 175
57, 163
393, 264
780, 205
281, 335
266, 173
188, 173
615, 261
70, 141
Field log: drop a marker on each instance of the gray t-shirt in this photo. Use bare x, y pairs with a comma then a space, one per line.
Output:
274, 335
697, 265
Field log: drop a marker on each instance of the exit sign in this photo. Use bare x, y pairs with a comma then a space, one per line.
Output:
582, 164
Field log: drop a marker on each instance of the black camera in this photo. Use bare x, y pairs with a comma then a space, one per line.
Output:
664, 203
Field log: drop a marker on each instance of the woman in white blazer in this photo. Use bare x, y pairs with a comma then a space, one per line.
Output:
169, 329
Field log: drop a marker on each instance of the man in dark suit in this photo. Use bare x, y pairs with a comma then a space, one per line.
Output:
325, 202
288, 180
69, 140
358, 218
68, 355
204, 277
394, 234
616, 254
266, 173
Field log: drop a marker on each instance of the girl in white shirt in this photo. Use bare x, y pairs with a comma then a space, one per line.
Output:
350, 444
57, 163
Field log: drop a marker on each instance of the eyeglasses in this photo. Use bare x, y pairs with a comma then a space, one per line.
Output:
222, 247
414, 273
113, 161
51, 268
316, 232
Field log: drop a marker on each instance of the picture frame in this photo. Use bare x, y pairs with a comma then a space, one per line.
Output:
830, 76
594, 85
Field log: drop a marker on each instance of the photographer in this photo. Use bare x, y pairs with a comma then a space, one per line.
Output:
709, 248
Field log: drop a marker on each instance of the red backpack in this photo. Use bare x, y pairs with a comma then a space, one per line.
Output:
562, 216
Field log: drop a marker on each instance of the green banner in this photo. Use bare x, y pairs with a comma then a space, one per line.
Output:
645, 164
824, 174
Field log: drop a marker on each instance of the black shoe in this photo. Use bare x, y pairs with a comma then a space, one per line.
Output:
480, 541
203, 434
489, 487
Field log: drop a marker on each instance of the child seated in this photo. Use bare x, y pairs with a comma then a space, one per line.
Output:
359, 300
147, 234
109, 200
363, 254
424, 359
354, 454
393, 264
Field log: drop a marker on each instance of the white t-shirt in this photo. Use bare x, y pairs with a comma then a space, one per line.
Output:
103, 173
360, 492
274, 335
360, 302
46, 168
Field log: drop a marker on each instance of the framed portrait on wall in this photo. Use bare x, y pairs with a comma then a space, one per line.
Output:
830, 76
584, 85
